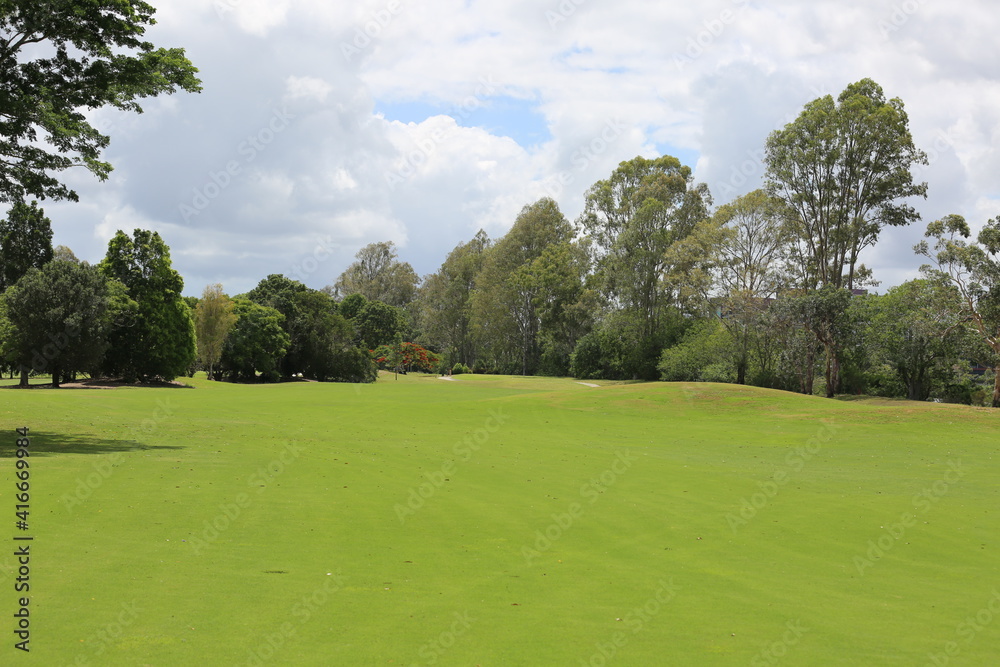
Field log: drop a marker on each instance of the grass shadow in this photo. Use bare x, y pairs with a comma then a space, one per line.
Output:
93, 383
52, 444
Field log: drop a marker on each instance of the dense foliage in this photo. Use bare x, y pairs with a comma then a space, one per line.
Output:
650, 282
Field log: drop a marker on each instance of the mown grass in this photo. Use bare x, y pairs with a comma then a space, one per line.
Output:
504, 521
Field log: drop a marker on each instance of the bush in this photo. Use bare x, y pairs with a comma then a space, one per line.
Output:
354, 365
703, 355
586, 362
459, 368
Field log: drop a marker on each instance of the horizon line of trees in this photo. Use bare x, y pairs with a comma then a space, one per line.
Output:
650, 282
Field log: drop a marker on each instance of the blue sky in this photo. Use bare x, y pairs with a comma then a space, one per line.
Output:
502, 116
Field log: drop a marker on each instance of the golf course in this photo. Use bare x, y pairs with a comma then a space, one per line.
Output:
501, 521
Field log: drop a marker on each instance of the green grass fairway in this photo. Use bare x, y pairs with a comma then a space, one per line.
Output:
501, 521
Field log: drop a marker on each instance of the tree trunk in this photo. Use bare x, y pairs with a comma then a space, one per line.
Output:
24, 377
832, 371
996, 387
810, 371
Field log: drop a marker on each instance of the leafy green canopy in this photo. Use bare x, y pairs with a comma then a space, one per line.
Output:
25, 242
154, 334
843, 168
59, 315
59, 58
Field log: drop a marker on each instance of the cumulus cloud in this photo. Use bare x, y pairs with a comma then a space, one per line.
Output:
333, 125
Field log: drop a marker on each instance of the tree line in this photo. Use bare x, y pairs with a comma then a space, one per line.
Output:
651, 281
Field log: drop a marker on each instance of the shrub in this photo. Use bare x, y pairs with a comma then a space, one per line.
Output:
703, 355
459, 368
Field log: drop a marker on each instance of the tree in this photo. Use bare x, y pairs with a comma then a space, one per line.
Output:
64, 254
633, 217
59, 316
730, 267
508, 293
395, 356
157, 338
444, 301
974, 269
914, 329
213, 319
257, 343
843, 169
822, 313
701, 356
379, 276
322, 346
278, 292
352, 305
25, 242
377, 323
565, 301
59, 59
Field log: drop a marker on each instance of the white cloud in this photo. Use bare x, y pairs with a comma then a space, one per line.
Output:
709, 80
307, 87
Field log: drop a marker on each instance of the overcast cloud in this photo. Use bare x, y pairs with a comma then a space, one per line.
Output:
325, 126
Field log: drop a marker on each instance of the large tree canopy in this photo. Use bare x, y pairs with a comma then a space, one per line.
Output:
59, 58
378, 276
213, 320
25, 242
516, 285
973, 268
844, 170
445, 301
158, 338
633, 217
59, 315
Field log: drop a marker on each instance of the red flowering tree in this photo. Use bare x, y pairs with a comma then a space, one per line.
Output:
413, 358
